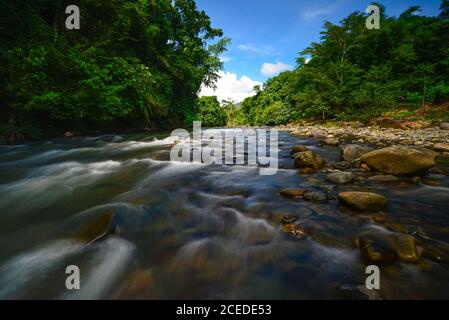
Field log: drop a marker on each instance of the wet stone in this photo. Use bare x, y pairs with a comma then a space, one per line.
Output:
352, 152
100, 228
293, 193
330, 141
294, 231
316, 197
288, 219
298, 149
373, 252
363, 201
309, 159
340, 177
383, 178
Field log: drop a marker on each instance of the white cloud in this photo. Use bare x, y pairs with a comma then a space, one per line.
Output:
310, 13
262, 51
230, 87
225, 58
272, 69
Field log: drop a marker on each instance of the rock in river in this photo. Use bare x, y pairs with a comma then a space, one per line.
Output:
445, 126
383, 178
309, 159
294, 230
353, 152
297, 149
293, 193
442, 147
98, 229
364, 201
400, 160
316, 197
340, 177
288, 219
376, 252
405, 247
387, 247
330, 141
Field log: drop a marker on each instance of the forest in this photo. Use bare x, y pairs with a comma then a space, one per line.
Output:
357, 73
132, 65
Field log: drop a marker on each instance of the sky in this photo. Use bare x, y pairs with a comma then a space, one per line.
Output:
268, 34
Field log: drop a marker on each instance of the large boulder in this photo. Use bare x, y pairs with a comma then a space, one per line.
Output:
400, 160
309, 159
363, 201
353, 152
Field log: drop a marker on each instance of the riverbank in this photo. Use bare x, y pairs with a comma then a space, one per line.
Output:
380, 133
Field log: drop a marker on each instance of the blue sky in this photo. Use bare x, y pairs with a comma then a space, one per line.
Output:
268, 34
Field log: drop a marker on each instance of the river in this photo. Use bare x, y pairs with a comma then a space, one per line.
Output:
191, 231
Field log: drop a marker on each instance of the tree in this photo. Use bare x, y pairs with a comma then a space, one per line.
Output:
210, 112
133, 64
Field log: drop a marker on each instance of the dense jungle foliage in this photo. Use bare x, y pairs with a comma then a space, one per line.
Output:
354, 72
131, 65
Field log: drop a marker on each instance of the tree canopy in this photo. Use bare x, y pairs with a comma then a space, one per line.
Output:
210, 112
132, 64
354, 71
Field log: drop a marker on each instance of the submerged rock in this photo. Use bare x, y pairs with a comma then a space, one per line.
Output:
288, 219
298, 149
293, 193
342, 165
99, 229
309, 159
435, 251
316, 196
327, 240
383, 178
400, 160
364, 201
385, 248
375, 252
340, 177
353, 152
294, 230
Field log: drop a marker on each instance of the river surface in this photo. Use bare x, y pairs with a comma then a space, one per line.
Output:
191, 231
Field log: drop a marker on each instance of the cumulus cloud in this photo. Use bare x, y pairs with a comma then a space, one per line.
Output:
272, 69
230, 87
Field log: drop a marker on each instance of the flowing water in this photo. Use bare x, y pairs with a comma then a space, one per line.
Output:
191, 231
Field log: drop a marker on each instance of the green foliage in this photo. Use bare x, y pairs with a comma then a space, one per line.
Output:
354, 72
132, 63
210, 112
